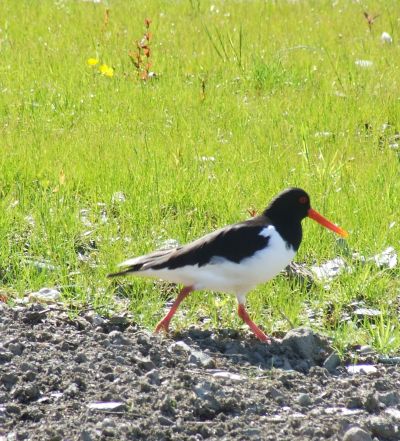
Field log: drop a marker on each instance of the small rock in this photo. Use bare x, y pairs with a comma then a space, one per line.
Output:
383, 428
356, 434
304, 400
9, 380
118, 338
389, 360
26, 394
81, 358
354, 403
153, 377
394, 413
45, 295
306, 343
110, 406
144, 363
164, 421
228, 375
6, 357
361, 369
365, 350
179, 347
371, 403
16, 348
332, 362
86, 435
201, 359
389, 398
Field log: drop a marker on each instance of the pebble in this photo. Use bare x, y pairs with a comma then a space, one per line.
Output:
110, 406
304, 400
118, 338
304, 342
389, 398
201, 359
362, 369
332, 362
45, 295
228, 375
381, 427
356, 434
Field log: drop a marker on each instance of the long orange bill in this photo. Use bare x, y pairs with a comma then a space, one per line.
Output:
324, 222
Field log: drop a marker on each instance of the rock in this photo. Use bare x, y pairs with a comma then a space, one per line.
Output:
45, 295
6, 357
304, 400
153, 377
144, 363
394, 413
228, 375
354, 402
306, 343
389, 360
9, 380
361, 369
118, 338
110, 406
164, 421
16, 348
356, 434
27, 393
201, 359
332, 362
383, 428
389, 398
371, 403
179, 347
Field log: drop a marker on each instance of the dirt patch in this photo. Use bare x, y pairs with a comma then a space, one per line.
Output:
91, 378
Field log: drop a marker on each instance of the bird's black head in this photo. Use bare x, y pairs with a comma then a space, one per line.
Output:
286, 212
291, 204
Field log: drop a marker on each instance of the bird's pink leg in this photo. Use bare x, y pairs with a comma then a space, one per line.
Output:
257, 331
163, 325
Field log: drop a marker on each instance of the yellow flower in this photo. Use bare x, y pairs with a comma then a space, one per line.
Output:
92, 61
106, 70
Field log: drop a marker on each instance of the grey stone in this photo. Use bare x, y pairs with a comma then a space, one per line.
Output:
306, 343
389, 398
110, 406
332, 362
304, 400
16, 348
356, 434
118, 338
383, 428
201, 359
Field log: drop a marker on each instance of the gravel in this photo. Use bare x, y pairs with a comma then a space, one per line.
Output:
92, 378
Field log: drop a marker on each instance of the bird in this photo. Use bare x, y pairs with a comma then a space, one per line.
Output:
233, 259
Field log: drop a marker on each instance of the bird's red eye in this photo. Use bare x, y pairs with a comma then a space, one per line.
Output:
303, 199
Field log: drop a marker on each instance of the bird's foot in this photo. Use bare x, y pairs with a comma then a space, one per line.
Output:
261, 336
162, 326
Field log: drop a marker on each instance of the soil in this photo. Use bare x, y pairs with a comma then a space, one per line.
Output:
91, 378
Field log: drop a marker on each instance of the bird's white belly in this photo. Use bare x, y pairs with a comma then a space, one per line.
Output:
224, 275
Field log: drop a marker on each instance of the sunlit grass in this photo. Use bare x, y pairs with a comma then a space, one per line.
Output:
248, 98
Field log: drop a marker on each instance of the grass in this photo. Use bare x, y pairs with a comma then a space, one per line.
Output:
270, 90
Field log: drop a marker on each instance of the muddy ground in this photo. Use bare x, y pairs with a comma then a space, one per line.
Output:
91, 378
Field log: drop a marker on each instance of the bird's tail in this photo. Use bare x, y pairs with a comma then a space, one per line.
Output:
139, 264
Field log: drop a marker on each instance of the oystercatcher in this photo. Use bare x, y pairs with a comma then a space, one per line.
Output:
235, 258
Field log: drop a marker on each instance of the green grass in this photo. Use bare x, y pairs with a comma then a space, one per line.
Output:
269, 89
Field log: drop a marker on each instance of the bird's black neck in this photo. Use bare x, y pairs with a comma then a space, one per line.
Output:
287, 226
